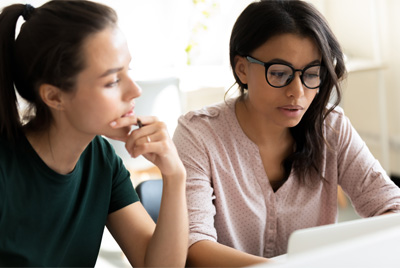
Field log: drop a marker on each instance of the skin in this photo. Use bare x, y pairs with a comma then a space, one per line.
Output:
265, 118
103, 104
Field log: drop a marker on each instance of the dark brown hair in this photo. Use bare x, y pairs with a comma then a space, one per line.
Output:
257, 24
48, 49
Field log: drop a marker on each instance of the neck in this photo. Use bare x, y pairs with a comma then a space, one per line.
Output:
58, 149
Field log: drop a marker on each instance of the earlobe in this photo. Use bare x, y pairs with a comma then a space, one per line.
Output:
51, 96
241, 68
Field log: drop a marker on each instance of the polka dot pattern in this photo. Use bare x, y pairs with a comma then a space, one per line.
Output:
231, 201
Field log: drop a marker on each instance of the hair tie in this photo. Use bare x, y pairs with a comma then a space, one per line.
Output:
27, 13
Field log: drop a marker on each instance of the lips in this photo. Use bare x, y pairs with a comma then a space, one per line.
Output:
130, 112
291, 111
292, 107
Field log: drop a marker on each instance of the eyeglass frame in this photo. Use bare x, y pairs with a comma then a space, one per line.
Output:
269, 64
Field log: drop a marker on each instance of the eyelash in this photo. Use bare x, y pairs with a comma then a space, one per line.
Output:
116, 82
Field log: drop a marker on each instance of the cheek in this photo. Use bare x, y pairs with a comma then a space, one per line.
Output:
109, 100
256, 78
311, 95
264, 94
99, 108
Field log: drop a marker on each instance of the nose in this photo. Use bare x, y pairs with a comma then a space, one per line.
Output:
132, 90
296, 88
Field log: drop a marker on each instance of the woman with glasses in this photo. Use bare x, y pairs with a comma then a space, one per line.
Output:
268, 162
61, 182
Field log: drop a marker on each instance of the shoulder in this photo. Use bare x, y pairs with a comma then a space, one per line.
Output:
208, 114
4, 144
11, 148
336, 116
204, 126
102, 144
337, 125
209, 121
101, 150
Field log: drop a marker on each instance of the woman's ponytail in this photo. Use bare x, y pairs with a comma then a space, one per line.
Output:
10, 123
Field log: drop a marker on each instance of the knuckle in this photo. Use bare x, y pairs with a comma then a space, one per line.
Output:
161, 125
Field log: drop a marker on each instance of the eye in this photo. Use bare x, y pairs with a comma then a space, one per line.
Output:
114, 83
312, 72
278, 73
311, 75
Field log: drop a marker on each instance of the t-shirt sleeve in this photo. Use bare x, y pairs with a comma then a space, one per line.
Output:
360, 174
122, 191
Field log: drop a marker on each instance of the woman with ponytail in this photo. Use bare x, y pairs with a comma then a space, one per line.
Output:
61, 182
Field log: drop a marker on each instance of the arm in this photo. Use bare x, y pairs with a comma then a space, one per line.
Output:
211, 254
143, 242
202, 195
361, 176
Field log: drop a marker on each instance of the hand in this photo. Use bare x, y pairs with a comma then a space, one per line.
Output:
153, 142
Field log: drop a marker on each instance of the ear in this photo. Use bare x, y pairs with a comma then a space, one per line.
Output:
241, 68
51, 96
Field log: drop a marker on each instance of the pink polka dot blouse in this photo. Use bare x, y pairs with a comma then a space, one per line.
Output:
230, 200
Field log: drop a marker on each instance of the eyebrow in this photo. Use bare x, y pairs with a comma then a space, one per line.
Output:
289, 63
111, 71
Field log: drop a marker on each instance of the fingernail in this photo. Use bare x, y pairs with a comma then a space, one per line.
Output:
113, 123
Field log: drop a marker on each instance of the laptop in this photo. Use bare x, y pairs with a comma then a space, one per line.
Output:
369, 242
313, 238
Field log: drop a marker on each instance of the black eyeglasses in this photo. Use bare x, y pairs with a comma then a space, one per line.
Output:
280, 74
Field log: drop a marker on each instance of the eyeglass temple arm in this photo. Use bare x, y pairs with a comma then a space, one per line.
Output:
253, 60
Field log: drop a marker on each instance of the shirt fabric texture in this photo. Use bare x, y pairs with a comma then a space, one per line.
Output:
48, 219
230, 200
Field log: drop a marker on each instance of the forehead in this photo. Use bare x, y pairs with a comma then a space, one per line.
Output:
292, 48
105, 49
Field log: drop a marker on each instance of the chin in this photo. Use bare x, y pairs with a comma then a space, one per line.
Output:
293, 123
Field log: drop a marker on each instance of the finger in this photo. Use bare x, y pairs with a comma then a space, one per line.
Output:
124, 121
141, 145
147, 120
133, 141
149, 150
151, 131
147, 130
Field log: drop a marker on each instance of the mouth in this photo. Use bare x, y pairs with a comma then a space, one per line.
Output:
129, 113
291, 111
292, 108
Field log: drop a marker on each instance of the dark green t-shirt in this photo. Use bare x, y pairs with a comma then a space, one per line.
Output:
48, 219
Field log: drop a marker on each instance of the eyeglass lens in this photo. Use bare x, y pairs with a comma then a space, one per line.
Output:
279, 75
